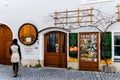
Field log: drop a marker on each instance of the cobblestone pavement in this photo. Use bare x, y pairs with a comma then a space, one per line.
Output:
54, 74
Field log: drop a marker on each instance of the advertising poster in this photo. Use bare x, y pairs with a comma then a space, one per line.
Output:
73, 47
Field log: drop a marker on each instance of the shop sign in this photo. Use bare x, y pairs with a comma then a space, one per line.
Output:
28, 49
93, 1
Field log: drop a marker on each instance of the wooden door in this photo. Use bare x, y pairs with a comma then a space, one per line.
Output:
5, 41
55, 49
88, 43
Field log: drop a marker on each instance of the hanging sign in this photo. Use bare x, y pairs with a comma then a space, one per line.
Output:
73, 47
93, 1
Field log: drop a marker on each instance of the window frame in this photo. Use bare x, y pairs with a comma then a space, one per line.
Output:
114, 58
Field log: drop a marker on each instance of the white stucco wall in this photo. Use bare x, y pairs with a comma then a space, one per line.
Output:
14, 13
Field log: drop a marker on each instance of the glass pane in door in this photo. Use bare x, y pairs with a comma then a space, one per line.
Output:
52, 43
63, 43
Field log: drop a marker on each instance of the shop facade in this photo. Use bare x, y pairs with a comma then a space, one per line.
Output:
81, 50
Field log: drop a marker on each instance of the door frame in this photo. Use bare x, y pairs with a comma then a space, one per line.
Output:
41, 41
57, 59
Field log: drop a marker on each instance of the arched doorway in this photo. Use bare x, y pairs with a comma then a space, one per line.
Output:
55, 49
5, 41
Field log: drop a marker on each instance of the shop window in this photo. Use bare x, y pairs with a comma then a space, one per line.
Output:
116, 46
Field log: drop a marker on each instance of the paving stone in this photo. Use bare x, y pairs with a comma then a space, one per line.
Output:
54, 74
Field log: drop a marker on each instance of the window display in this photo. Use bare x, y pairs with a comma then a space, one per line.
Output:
88, 47
88, 44
73, 47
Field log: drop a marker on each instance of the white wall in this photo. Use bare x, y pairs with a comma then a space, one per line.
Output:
14, 13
